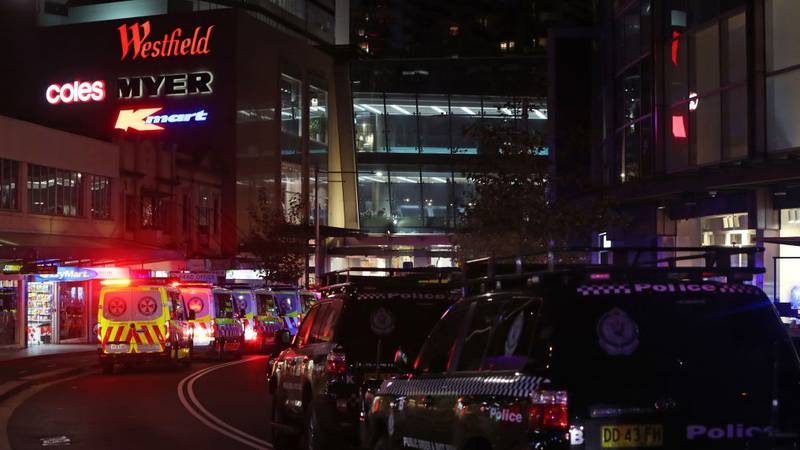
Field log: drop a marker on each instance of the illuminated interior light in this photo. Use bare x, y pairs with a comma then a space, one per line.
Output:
679, 127
406, 179
438, 179
506, 111
379, 173
402, 110
468, 111
370, 108
694, 101
539, 114
376, 180
439, 110
358, 107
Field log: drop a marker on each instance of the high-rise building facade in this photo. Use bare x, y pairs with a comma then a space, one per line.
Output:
699, 137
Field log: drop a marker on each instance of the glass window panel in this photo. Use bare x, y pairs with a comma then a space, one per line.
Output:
735, 120
434, 124
782, 33
406, 197
783, 111
291, 105
631, 153
706, 59
54, 192
628, 36
101, 197
9, 171
437, 199
676, 68
401, 118
370, 122
318, 115
463, 190
466, 113
318, 149
629, 95
703, 10
736, 49
677, 155
374, 205
707, 130
291, 190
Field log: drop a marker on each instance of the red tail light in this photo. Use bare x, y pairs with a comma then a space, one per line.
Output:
99, 331
335, 364
549, 411
214, 328
167, 330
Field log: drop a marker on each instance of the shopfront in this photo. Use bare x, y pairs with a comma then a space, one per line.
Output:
10, 302
61, 306
787, 262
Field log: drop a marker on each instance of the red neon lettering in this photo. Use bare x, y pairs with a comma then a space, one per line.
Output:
76, 92
675, 43
135, 118
133, 39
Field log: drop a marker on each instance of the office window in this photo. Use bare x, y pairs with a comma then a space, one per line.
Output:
9, 177
318, 149
467, 113
101, 197
706, 136
205, 217
401, 118
370, 122
291, 190
291, 105
154, 211
318, 115
782, 33
406, 197
54, 191
706, 59
434, 123
783, 111
373, 197
735, 49
437, 199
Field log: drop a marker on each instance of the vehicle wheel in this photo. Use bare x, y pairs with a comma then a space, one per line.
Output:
187, 362
108, 368
219, 348
280, 438
313, 436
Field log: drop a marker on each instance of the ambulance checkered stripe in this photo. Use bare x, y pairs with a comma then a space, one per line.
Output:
603, 289
739, 289
506, 386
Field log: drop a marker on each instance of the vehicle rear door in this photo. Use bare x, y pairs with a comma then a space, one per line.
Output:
426, 402
178, 332
294, 360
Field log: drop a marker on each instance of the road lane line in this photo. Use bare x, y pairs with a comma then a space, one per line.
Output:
196, 408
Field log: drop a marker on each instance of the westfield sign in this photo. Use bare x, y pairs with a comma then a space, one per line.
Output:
136, 42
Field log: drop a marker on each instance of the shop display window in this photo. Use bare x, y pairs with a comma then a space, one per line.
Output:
9, 302
40, 312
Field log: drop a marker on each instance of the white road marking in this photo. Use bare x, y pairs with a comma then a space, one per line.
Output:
196, 408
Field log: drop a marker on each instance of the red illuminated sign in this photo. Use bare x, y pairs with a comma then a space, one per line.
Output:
76, 92
135, 37
678, 127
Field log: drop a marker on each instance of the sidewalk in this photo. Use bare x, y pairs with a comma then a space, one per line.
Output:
33, 351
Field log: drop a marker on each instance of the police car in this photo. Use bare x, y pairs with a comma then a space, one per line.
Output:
599, 357
322, 384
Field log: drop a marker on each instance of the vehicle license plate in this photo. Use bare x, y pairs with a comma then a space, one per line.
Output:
627, 436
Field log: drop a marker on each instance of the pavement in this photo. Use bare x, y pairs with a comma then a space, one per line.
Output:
22, 368
33, 351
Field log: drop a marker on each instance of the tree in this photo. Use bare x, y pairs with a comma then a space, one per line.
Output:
518, 205
276, 240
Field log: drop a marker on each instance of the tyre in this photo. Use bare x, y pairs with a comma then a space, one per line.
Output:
281, 440
108, 368
219, 348
313, 436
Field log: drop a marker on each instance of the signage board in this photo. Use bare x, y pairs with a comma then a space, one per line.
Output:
195, 277
67, 274
111, 272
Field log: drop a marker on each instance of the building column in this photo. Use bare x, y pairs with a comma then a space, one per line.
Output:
765, 219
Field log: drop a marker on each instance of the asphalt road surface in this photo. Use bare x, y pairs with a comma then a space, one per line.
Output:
210, 406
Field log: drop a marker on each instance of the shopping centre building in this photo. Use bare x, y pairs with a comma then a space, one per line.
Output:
143, 134
700, 137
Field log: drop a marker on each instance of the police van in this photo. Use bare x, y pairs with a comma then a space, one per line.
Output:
142, 322
217, 325
600, 357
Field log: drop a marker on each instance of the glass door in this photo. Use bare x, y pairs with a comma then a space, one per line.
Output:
9, 304
72, 297
40, 312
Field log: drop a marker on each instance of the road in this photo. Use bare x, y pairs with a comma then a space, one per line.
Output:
210, 406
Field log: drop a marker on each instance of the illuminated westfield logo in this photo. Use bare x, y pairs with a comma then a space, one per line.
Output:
146, 119
135, 41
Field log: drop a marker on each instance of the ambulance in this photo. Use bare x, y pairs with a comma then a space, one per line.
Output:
218, 320
261, 319
141, 322
288, 305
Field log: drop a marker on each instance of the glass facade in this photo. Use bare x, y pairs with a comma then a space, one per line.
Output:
318, 152
410, 198
54, 192
783, 74
433, 123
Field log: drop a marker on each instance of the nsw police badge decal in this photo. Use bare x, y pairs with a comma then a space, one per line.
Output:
618, 333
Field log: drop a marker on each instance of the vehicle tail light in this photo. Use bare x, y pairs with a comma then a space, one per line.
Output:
250, 334
213, 329
99, 330
167, 330
549, 411
335, 364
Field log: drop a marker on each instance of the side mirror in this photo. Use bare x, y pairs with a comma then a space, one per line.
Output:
401, 361
192, 314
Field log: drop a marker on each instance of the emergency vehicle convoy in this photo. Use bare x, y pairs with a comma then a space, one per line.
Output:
322, 384
630, 355
261, 319
218, 320
288, 304
142, 322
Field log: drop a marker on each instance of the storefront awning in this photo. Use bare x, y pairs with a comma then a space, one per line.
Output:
781, 240
53, 248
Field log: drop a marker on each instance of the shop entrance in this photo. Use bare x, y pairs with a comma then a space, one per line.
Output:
9, 304
57, 312
787, 283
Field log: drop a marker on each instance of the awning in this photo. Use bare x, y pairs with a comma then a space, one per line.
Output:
55, 248
781, 240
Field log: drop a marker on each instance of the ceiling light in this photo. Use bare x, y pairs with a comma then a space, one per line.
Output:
404, 111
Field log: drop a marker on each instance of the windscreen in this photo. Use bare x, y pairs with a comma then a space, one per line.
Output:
197, 300
286, 302
713, 353
223, 305
372, 330
265, 304
308, 301
244, 300
132, 305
